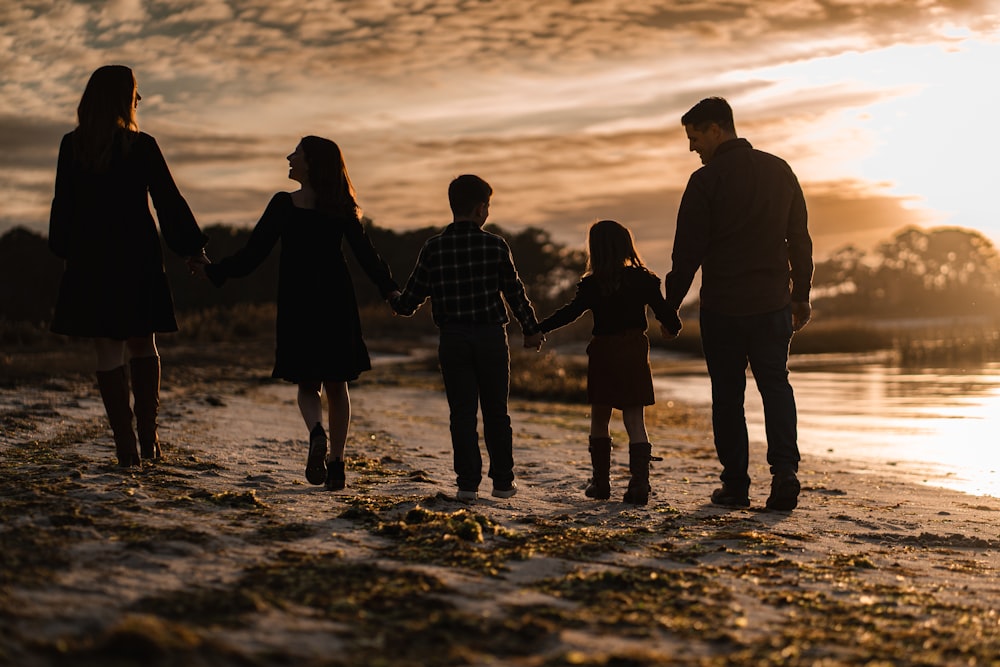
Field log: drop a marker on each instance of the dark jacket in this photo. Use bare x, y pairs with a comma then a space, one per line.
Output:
619, 310
114, 285
743, 220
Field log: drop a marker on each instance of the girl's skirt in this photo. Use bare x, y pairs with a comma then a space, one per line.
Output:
618, 372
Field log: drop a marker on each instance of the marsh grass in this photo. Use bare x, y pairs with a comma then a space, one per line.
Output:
548, 376
467, 539
686, 603
227, 323
241, 337
388, 615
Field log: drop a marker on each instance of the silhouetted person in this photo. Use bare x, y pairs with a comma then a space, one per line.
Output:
114, 288
468, 273
616, 289
318, 340
743, 220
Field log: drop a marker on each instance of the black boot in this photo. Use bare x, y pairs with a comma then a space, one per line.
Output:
600, 459
114, 392
316, 462
335, 478
638, 465
145, 372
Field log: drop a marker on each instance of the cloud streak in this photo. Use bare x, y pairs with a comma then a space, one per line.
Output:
570, 108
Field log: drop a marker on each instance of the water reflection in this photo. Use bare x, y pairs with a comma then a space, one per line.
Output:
937, 426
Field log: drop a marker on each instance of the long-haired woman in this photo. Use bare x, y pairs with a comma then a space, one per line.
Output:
318, 337
114, 288
616, 289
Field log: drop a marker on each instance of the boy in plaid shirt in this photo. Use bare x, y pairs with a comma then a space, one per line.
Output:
468, 274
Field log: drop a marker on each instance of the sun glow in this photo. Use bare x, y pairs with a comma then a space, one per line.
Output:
922, 124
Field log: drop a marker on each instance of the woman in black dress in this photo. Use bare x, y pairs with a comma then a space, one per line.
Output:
318, 341
114, 288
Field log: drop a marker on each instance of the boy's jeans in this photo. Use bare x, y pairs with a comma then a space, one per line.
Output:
475, 364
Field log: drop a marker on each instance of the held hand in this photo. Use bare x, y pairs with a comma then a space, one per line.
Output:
196, 264
668, 334
195, 268
801, 314
672, 328
534, 341
393, 295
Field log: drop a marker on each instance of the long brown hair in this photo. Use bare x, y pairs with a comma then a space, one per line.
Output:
611, 248
105, 116
328, 177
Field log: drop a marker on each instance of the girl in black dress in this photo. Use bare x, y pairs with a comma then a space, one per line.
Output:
319, 343
114, 288
616, 289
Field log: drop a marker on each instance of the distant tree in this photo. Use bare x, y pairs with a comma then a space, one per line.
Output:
945, 271
398, 248
841, 273
548, 269
192, 294
29, 277
29, 272
944, 259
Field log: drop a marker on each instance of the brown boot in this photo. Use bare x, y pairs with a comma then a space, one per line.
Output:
145, 373
114, 392
600, 459
638, 465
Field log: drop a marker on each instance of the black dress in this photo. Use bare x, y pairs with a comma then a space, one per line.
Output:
114, 285
318, 329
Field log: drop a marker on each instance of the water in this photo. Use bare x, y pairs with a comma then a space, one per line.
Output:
938, 427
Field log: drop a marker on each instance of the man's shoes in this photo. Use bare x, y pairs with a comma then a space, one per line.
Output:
467, 496
730, 497
785, 489
505, 491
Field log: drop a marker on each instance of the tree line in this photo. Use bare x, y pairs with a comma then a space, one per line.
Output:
939, 272
30, 273
935, 273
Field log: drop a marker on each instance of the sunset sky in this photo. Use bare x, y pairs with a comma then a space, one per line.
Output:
886, 109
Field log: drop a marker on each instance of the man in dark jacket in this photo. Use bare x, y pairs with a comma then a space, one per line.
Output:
743, 221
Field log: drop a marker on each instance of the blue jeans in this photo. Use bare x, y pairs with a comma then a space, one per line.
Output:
475, 365
730, 343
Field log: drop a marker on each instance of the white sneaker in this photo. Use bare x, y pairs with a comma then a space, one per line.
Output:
467, 496
505, 493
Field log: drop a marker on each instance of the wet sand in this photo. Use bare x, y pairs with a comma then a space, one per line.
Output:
222, 554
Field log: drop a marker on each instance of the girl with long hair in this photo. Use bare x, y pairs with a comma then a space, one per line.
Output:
114, 288
318, 335
616, 289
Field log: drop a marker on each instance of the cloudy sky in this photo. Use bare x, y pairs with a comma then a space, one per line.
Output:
886, 109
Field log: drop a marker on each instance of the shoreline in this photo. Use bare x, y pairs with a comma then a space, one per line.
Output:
669, 368
221, 554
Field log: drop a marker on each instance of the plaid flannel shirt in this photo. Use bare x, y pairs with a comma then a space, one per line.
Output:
465, 270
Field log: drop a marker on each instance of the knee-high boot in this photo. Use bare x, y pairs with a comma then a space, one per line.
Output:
114, 392
600, 459
145, 373
638, 465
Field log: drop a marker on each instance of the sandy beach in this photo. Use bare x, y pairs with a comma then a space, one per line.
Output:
222, 554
